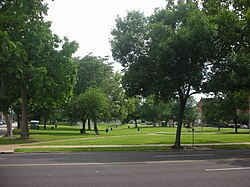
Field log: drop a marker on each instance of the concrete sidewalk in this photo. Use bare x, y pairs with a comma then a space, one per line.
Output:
9, 149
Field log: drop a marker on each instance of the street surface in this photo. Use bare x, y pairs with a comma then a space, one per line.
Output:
175, 168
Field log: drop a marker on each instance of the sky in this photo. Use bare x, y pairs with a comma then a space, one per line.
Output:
90, 22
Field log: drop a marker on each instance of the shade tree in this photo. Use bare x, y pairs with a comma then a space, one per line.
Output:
168, 56
30, 51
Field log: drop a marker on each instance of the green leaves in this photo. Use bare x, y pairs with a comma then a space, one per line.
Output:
93, 103
128, 42
30, 60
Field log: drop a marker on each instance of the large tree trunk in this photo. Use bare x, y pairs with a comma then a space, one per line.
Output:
44, 121
182, 100
89, 125
136, 124
24, 120
235, 120
45, 117
18, 119
9, 125
83, 131
95, 126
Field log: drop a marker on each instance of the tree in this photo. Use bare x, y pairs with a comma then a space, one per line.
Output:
148, 109
73, 110
226, 108
94, 103
95, 72
23, 22
164, 111
60, 80
233, 104
231, 65
133, 109
82, 108
92, 72
191, 113
29, 50
173, 60
212, 111
116, 97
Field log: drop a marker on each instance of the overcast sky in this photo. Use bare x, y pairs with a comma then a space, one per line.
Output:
90, 22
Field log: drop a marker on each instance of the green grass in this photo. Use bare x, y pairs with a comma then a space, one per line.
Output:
122, 135
242, 146
94, 149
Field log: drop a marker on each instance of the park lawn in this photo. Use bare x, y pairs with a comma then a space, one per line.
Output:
141, 139
122, 135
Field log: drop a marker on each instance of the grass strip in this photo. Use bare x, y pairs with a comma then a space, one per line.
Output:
234, 147
92, 149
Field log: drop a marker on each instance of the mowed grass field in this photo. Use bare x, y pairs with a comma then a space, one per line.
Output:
122, 135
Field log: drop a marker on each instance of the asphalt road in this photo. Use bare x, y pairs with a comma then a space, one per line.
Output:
185, 168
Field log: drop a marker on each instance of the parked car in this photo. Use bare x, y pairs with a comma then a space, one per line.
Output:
244, 127
34, 124
233, 125
2, 122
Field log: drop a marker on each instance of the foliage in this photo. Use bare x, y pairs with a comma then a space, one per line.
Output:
95, 72
212, 111
149, 109
168, 53
94, 104
230, 108
31, 65
230, 70
92, 72
132, 106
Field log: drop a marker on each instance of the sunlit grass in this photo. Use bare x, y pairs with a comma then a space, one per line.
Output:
94, 149
127, 135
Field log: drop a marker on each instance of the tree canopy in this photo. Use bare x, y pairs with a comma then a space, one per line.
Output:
172, 62
32, 63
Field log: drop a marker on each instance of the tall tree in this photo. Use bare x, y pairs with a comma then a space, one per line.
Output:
211, 111
148, 109
96, 72
59, 80
133, 109
26, 29
173, 60
230, 70
93, 72
30, 51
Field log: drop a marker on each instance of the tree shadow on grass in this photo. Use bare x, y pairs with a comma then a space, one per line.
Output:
4, 141
239, 133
